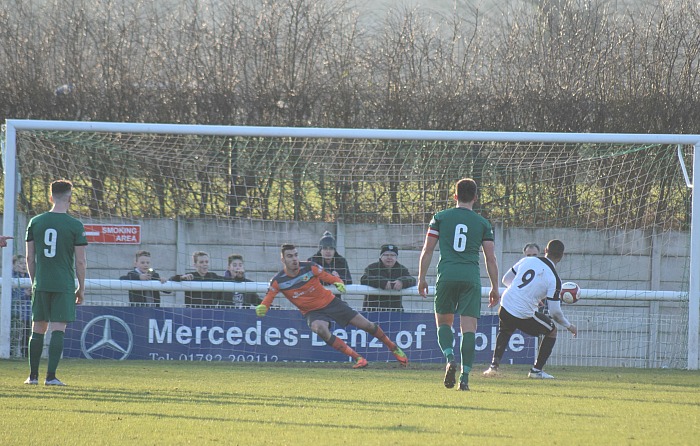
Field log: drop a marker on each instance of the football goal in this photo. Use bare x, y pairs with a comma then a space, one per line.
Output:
621, 203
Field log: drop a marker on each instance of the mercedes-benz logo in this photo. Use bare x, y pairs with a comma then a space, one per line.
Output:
106, 341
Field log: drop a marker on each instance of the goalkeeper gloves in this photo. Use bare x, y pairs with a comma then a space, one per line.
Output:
261, 310
340, 286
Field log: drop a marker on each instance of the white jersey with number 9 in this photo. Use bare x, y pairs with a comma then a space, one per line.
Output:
529, 281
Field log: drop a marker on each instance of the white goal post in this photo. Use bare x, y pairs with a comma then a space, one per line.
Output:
541, 148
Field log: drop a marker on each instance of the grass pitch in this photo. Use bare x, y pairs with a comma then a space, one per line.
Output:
158, 402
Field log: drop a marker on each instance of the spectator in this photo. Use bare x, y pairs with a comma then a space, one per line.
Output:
198, 299
531, 250
143, 271
329, 259
21, 305
386, 274
236, 272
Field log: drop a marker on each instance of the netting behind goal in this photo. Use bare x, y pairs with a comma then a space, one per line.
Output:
622, 209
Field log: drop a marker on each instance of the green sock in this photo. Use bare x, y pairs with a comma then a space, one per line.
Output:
445, 340
36, 346
467, 350
55, 351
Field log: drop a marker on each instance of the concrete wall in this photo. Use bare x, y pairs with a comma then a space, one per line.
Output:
632, 260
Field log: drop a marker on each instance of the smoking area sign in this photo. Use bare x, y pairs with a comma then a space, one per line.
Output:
113, 234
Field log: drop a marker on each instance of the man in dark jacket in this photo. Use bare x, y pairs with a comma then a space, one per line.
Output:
329, 259
386, 274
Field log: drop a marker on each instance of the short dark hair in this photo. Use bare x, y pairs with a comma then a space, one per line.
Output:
61, 187
142, 253
287, 247
197, 254
555, 249
233, 257
465, 189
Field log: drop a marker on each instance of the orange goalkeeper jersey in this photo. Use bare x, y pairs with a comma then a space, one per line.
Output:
303, 290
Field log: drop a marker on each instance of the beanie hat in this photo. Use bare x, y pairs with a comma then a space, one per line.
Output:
392, 248
327, 241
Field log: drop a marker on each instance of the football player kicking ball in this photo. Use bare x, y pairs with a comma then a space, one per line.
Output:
529, 281
300, 283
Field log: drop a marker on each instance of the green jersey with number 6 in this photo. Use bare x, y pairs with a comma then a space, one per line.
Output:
460, 233
55, 236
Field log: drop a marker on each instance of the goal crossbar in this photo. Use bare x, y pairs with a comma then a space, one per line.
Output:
340, 133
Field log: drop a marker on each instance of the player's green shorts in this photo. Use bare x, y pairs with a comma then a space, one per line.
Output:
463, 298
53, 307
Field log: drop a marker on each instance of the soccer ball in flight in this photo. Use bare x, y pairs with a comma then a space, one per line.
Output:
570, 293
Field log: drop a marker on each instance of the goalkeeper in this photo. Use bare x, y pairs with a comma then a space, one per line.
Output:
300, 283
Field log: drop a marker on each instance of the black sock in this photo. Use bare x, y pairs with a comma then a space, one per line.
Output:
546, 347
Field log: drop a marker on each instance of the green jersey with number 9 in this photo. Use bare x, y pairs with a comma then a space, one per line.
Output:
55, 236
460, 233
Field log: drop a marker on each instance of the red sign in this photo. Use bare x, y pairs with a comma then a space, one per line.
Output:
115, 234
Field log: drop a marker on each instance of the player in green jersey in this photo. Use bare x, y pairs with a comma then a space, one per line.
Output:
56, 246
461, 233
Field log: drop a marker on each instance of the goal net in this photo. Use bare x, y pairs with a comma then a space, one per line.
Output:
620, 203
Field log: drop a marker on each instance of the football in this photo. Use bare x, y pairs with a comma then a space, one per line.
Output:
570, 293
